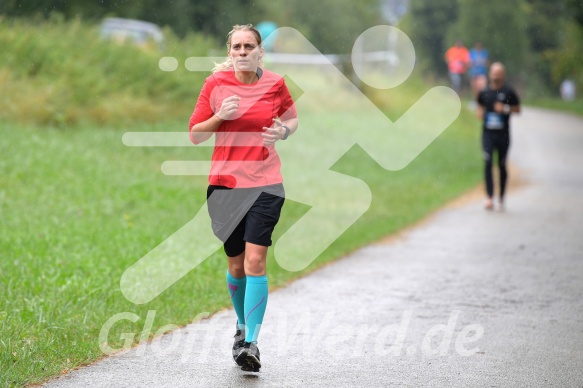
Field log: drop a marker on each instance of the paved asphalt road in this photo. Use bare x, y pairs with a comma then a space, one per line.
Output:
469, 299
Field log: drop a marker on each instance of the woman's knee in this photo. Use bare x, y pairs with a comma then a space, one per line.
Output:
237, 265
255, 260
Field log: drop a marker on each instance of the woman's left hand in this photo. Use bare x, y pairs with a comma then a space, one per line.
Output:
274, 133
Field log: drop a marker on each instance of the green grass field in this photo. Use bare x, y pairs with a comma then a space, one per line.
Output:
77, 207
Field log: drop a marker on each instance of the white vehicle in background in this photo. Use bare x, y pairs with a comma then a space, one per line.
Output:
141, 33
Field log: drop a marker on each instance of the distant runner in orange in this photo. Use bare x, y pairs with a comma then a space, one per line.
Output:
458, 60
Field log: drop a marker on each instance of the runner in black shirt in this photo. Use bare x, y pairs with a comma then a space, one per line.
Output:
495, 104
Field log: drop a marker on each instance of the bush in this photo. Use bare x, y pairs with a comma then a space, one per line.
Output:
62, 73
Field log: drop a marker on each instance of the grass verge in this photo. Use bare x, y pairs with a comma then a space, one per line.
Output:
575, 106
58, 73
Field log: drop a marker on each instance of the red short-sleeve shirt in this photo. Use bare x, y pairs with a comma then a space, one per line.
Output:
240, 159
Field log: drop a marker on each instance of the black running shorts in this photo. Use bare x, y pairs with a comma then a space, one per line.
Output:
244, 215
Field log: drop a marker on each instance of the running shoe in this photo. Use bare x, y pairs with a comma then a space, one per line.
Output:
239, 342
248, 358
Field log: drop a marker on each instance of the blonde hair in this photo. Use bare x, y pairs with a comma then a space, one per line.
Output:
228, 64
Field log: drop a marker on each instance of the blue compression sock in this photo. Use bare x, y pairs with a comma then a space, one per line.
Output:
237, 293
255, 302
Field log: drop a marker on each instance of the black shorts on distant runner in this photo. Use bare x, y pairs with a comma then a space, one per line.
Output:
244, 215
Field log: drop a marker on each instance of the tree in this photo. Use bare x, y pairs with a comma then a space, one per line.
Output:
575, 9
331, 25
183, 16
428, 21
566, 60
545, 38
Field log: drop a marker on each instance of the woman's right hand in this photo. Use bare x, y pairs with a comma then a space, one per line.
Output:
228, 107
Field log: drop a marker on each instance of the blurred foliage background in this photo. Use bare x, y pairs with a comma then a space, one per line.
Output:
540, 42
61, 73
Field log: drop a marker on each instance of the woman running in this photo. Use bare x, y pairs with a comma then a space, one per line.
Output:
248, 109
